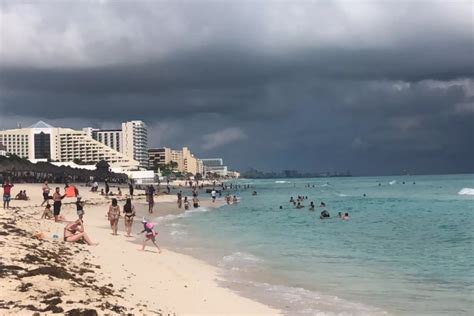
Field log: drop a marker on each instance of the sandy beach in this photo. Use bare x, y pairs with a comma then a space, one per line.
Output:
51, 276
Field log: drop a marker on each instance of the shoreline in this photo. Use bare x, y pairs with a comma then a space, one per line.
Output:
144, 282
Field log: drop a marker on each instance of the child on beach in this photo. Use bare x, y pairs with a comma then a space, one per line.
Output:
150, 234
80, 207
47, 213
113, 215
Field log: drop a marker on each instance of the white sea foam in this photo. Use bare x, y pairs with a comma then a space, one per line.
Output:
466, 191
241, 258
188, 213
392, 182
178, 233
305, 302
280, 181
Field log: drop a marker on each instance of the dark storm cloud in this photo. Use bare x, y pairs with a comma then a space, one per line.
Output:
375, 87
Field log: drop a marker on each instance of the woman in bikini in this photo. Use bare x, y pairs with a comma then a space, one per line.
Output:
114, 215
129, 213
74, 232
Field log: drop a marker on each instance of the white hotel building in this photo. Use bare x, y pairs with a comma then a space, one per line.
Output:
45, 142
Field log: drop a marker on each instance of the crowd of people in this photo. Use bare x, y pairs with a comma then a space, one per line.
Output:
298, 204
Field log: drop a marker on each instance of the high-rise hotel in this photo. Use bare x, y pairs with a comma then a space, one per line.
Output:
131, 140
42, 141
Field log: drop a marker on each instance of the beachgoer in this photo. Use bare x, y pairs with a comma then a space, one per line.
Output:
119, 192
57, 198
151, 200
228, 198
281, 207
180, 199
213, 195
311, 206
46, 190
80, 207
129, 214
47, 213
113, 216
150, 234
324, 214
346, 216
339, 214
102, 192
130, 189
74, 232
235, 200
186, 203
254, 193
107, 188
292, 200
7, 187
322, 204
299, 205
195, 202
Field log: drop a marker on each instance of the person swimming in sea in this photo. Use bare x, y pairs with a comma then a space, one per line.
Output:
292, 200
322, 204
339, 214
345, 217
324, 214
311, 206
299, 205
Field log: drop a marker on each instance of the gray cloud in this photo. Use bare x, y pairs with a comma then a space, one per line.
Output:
374, 87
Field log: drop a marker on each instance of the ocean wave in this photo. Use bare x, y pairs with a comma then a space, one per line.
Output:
279, 181
178, 233
466, 191
392, 182
241, 258
188, 213
305, 302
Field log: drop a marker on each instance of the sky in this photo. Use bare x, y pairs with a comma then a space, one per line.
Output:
374, 87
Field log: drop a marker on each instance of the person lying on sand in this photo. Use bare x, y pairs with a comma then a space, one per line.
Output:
74, 232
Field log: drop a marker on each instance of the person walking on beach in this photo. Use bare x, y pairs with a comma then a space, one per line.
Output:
107, 188
128, 215
57, 198
7, 187
46, 191
130, 189
150, 234
80, 207
213, 195
113, 216
151, 200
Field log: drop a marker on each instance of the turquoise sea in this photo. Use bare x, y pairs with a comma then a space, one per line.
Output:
407, 249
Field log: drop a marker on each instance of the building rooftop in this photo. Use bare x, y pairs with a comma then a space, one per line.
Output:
41, 124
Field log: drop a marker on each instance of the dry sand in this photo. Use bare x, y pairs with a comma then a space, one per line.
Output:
113, 277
